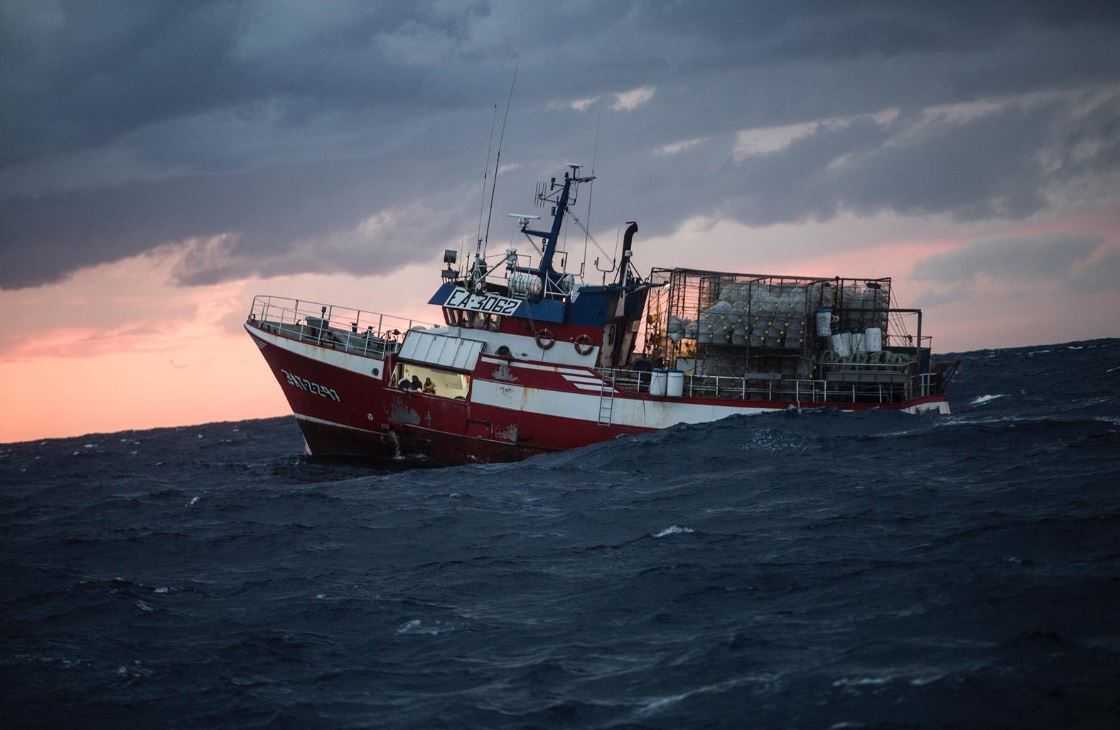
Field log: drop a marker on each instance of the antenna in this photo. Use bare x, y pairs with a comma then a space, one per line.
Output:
498, 159
485, 169
591, 190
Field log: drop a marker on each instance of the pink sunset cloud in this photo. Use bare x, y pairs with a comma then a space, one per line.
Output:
155, 354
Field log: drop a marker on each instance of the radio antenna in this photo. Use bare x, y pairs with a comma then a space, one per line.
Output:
591, 190
498, 160
485, 174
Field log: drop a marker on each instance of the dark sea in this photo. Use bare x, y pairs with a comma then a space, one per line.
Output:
796, 570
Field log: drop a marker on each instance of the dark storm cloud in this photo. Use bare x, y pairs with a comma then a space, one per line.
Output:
290, 128
983, 168
1102, 274
1017, 259
987, 163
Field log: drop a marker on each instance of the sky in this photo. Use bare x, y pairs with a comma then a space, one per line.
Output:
162, 162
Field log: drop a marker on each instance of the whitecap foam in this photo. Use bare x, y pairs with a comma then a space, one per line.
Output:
773, 440
898, 434
659, 703
861, 681
923, 681
416, 626
674, 530
982, 399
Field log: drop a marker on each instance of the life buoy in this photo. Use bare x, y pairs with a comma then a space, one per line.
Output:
545, 340
583, 345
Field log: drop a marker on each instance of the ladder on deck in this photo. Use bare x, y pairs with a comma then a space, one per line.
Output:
606, 400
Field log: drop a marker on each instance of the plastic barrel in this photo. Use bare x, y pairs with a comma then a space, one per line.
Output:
824, 322
674, 384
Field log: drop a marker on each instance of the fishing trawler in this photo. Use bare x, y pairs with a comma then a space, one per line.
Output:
531, 359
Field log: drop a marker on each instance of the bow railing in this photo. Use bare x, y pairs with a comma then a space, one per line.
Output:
356, 331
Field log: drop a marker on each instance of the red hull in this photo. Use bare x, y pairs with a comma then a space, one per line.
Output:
346, 413
372, 421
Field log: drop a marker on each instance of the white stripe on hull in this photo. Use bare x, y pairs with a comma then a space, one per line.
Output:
593, 387
633, 412
344, 360
536, 366
335, 424
583, 379
524, 347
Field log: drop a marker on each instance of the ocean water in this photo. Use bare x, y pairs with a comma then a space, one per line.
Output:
798, 570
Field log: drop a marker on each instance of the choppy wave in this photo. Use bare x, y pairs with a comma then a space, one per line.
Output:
791, 570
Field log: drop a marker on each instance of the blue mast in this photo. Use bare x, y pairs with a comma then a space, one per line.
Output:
550, 238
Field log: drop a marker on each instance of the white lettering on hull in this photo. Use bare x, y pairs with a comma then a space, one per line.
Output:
309, 386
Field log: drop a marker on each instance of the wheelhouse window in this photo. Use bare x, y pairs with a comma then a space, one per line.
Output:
432, 381
472, 320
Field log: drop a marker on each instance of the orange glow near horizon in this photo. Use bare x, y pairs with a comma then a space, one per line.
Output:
136, 390
121, 347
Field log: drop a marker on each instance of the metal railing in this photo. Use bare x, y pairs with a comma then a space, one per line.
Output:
725, 387
351, 330
906, 341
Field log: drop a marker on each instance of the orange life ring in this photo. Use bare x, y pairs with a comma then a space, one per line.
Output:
545, 340
583, 345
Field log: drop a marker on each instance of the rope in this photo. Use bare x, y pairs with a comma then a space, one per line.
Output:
589, 236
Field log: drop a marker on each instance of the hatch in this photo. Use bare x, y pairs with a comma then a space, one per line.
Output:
440, 350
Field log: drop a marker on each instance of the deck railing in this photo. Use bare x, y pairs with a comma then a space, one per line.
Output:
724, 387
377, 335
351, 330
